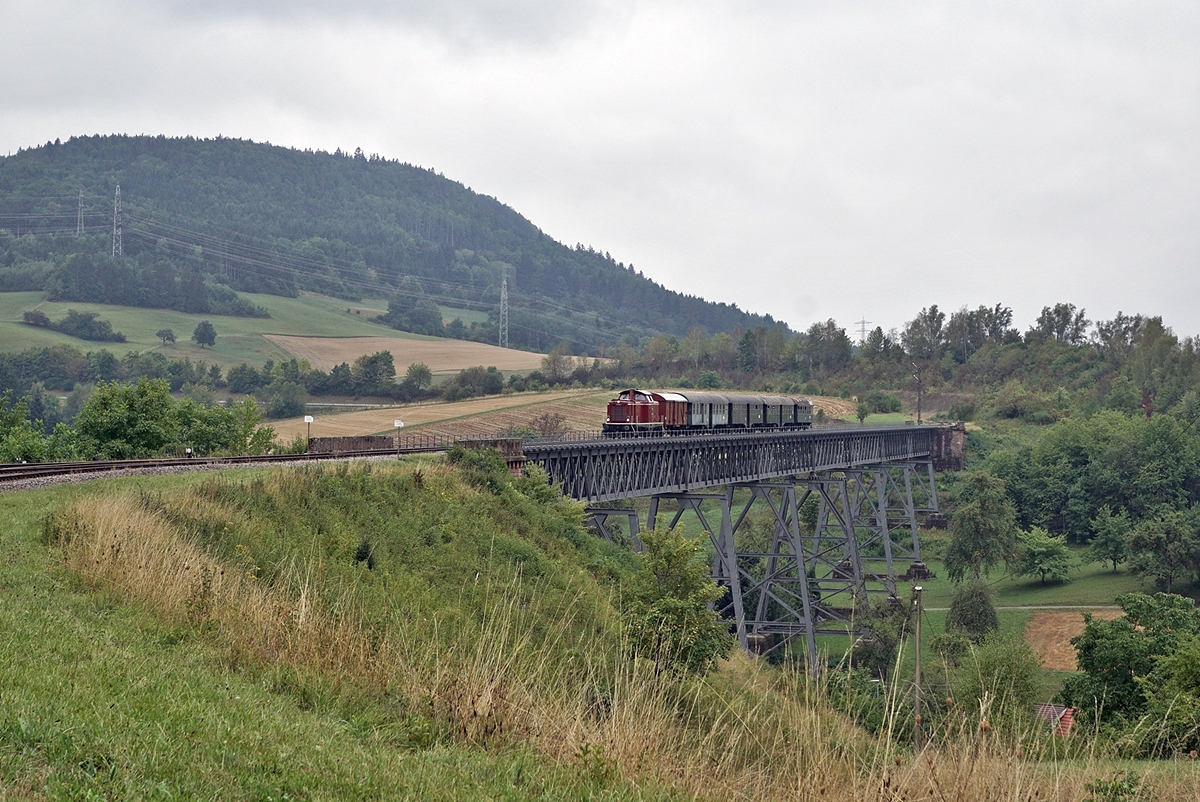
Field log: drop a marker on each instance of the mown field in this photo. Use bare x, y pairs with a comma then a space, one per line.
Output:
441, 355
487, 416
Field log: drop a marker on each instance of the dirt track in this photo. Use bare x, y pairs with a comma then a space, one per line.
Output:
442, 356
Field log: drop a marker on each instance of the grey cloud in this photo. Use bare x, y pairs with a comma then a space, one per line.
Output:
468, 22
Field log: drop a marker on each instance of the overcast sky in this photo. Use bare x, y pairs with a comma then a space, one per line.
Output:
804, 159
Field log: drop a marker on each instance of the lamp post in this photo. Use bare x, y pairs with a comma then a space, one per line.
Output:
917, 376
918, 734
308, 419
399, 424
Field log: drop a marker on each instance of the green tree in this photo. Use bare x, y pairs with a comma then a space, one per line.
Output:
243, 379
250, 436
1062, 324
660, 354
862, 411
666, 606
1110, 534
1043, 555
972, 612
1167, 548
284, 399
983, 530
722, 351
204, 334
1115, 657
419, 375
1001, 678
373, 374
557, 364
694, 347
923, 336
120, 420
825, 345
166, 335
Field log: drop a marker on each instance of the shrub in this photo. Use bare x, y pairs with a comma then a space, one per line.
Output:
666, 606
972, 613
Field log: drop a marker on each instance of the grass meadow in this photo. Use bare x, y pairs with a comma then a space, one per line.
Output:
239, 339
391, 631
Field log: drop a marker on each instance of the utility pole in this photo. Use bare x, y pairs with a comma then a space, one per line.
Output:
917, 376
504, 309
918, 733
118, 250
79, 221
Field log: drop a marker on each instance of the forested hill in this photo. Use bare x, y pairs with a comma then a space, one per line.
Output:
206, 216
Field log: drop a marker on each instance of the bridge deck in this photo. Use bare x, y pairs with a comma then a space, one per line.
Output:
606, 470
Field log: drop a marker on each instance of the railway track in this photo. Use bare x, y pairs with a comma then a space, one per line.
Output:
49, 470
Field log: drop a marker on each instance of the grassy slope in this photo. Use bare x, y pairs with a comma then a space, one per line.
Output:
103, 698
239, 339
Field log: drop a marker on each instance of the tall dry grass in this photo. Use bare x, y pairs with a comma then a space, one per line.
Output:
744, 733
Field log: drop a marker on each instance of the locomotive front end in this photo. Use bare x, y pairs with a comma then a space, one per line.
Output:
632, 411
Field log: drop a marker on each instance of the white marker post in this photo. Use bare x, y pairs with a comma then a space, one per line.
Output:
308, 419
399, 424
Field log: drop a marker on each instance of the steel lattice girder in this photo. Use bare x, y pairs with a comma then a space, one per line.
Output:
606, 470
802, 586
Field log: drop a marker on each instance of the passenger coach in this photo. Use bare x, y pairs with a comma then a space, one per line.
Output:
656, 412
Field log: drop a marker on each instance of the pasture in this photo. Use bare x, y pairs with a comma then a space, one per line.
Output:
340, 331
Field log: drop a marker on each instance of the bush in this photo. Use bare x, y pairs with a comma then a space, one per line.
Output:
666, 606
38, 318
972, 612
879, 401
1001, 678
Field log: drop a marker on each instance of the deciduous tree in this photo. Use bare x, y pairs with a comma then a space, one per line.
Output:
204, 334
666, 606
1043, 555
983, 530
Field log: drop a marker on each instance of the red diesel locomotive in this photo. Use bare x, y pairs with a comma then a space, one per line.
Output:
656, 412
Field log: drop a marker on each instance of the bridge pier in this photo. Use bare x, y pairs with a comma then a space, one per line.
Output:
870, 485
597, 518
797, 584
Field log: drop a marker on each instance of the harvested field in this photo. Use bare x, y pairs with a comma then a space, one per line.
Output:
372, 421
442, 356
1049, 633
573, 410
842, 408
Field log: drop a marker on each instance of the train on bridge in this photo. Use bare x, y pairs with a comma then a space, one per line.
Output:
636, 411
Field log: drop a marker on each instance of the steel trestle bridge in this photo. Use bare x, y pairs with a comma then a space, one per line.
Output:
869, 485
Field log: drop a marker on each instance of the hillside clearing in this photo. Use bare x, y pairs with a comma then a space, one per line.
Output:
442, 356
